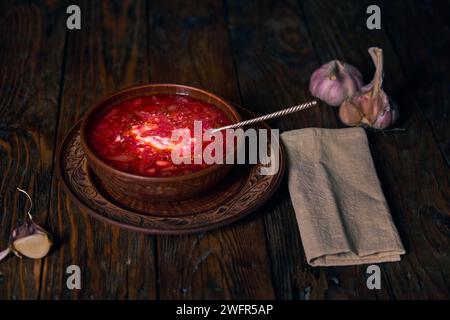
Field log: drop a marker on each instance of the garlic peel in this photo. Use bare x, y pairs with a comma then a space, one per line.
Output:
5, 253
334, 82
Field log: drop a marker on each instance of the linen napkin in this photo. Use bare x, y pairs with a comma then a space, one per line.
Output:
341, 211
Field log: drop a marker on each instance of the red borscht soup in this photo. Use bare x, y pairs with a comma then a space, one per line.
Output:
134, 136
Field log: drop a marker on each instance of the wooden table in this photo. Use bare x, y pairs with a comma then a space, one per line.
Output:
259, 54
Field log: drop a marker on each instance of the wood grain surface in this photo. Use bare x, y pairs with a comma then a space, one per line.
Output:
256, 53
190, 45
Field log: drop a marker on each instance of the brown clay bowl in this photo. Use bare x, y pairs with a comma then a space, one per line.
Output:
130, 189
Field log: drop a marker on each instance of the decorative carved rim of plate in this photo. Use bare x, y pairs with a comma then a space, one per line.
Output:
75, 176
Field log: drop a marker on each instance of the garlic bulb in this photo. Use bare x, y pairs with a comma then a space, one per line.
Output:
371, 107
29, 239
334, 82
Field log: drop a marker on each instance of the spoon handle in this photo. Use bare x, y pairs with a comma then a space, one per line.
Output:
277, 114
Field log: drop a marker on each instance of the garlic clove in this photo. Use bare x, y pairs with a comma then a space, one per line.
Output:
334, 82
35, 246
29, 239
386, 117
350, 114
368, 108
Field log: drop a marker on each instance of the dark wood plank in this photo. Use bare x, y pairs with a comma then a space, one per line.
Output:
275, 57
189, 45
271, 52
413, 172
424, 58
31, 51
107, 54
276, 45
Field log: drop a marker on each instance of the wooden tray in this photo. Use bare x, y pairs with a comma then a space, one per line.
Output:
243, 191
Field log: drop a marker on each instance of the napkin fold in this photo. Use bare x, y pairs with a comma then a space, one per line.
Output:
341, 211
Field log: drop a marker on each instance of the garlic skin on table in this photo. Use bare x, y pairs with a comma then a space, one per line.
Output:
371, 107
29, 240
334, 82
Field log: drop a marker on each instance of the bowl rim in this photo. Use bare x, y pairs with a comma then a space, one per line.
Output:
90, 154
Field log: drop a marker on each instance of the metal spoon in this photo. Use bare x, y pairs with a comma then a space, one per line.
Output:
269, 116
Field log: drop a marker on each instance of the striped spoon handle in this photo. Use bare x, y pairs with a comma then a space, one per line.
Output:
277, 114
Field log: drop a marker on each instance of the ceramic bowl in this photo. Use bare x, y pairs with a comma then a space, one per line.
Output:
131, 189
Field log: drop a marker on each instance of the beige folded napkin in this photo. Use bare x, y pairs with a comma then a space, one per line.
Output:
341, 211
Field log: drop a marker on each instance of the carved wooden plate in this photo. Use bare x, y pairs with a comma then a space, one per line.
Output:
240, 193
